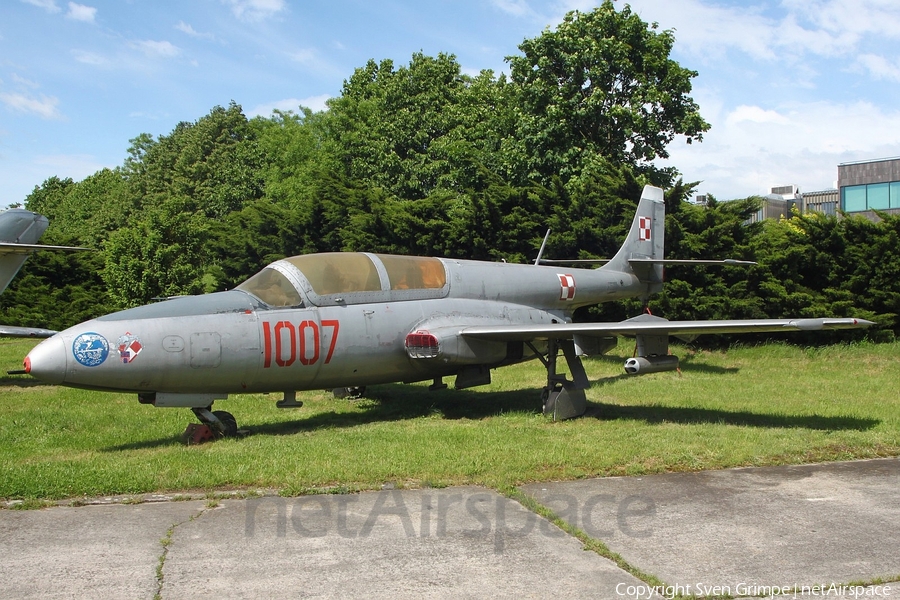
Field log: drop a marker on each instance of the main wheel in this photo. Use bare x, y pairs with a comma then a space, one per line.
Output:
228, 421
349, 392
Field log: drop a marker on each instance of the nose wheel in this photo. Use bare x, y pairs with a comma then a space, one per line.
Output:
229, 423
213, 425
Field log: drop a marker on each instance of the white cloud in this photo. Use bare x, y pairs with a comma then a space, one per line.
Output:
153, 48
24, 82
80, 12
854, 18
798, 27
89, 58
516, 8
750, 149
789, 87
48, 5
186, 28
306, 56
255, 10
312, 60
880, 67
314, 103
44, 107
754, 114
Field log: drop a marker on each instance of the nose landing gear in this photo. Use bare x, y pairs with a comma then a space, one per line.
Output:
213, 425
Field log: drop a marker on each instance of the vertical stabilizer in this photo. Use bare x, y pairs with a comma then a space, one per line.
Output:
645, 240
17, 226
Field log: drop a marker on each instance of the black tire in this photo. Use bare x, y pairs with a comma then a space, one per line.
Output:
228, 422
351, 393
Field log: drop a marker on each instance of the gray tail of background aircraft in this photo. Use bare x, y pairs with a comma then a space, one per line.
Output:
348, 320
20, 231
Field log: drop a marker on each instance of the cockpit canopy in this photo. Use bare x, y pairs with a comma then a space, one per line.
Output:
348, 278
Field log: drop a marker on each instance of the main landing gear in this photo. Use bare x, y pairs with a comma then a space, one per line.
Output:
562, 398
350, 393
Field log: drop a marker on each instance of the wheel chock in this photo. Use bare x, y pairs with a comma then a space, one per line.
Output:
197, 433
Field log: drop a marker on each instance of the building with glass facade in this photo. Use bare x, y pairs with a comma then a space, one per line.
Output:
863, 188
869, 186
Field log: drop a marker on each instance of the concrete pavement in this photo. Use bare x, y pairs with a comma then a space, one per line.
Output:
740, 532
745, 532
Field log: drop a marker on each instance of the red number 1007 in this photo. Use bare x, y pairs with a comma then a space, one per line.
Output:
284, 343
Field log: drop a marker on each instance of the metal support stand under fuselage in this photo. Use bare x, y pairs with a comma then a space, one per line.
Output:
289, 400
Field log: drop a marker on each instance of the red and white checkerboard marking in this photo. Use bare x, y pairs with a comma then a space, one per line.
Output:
566, 287
644, 228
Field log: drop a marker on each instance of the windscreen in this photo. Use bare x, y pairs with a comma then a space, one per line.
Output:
273, 288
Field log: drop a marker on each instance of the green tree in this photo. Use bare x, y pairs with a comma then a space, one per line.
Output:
815, 265
84, 213
417, 128
292, 144
601, 83
48, 197
215, 163
163, 252
249, 239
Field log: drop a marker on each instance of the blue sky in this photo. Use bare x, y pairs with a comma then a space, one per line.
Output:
792, 88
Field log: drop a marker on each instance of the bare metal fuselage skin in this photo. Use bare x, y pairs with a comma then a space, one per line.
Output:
231, 342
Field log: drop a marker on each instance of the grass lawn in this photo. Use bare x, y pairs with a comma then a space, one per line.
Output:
765, 405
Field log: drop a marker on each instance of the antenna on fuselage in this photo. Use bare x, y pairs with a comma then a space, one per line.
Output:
537, 261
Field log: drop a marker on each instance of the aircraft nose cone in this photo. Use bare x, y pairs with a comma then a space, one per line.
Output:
47, 360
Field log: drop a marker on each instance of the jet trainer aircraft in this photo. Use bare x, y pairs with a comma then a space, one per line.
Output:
339, 320
20, 230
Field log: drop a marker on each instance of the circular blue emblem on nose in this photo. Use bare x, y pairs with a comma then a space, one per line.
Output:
90, 349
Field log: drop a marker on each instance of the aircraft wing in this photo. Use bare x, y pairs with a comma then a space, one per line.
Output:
652, 261
650, 325
16, 248
32, 332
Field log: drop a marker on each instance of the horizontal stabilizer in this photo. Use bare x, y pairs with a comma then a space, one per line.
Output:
32, 332
15, 248
574, 261
649, 261
675, 261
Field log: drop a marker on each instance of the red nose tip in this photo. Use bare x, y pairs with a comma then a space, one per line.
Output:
27, 363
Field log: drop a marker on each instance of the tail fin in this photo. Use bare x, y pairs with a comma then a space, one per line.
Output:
642, 251
19, 228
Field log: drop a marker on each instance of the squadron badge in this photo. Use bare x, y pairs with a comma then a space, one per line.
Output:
129, 347
90, 349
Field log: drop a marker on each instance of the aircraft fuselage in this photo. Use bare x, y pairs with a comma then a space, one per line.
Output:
230, 342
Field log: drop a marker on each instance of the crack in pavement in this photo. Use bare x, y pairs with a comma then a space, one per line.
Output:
166, 542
